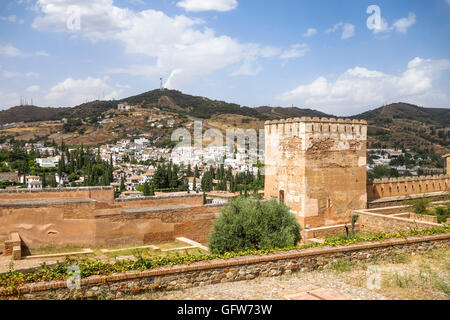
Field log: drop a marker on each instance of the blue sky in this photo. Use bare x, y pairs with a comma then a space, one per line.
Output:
314, 54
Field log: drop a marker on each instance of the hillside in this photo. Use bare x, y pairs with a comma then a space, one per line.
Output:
199, 107
398, 125
282, 113
408, 112
30, 113
402, 125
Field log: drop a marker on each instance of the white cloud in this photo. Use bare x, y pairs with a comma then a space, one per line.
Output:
401, 25
310, 32
348, 30
9, 50
32, 75
296, 51
269, 52
34, 88
12, 19
71, 92
178, 46
383, 27
8, 74
9, 99
13, 74
208, 5
448, 1
247, 69
359, 87
41, 53
136, 2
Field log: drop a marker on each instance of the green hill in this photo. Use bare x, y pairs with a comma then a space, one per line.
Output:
398, 125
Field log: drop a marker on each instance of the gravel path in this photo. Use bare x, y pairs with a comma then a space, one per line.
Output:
268, 289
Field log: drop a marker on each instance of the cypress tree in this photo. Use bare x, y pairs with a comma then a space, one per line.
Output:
152, 189
195, 185
146, 189
196, 173
122, 185
44, 181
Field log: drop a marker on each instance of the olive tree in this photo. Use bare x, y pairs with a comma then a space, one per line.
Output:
252, 224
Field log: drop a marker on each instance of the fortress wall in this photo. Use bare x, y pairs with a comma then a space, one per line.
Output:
370, 221
69, 221
187, 199
101, 194
383, 188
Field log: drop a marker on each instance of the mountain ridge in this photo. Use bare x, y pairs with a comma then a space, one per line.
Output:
203, 107
393, 125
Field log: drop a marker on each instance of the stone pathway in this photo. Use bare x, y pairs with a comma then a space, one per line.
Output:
316, 293
324, 285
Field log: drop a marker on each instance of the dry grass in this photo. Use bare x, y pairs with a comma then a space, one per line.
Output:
420, 276
128, 250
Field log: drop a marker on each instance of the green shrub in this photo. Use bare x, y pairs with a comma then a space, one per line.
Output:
341, 265
399, 258
250, 224
420, 205
88, 267
442, 211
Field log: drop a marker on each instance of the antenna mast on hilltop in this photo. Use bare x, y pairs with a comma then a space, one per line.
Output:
161, 87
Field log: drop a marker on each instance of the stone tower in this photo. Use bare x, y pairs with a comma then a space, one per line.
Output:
317, 167
447, 164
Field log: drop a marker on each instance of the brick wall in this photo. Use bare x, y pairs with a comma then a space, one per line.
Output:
219, 271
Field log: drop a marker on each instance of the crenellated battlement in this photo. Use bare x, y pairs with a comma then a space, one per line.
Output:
316, 119
410, 179
318, 167
404, 186
307, 125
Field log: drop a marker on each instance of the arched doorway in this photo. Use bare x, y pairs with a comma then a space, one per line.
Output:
281, 196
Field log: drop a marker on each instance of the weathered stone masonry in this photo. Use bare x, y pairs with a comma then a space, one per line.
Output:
91, 217
383, 188
213, 272
317, 167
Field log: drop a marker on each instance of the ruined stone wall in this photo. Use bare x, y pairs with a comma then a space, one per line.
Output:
69, 221
101, 194
317, 167
382, 188
374, 222
187, 199
220, 271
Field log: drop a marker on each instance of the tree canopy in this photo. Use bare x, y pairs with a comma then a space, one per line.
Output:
251, 224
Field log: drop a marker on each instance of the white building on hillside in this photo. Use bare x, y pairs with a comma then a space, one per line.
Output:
124, 107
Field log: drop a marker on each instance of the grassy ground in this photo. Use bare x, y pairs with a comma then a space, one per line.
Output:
403, 276
128, 253
417, 276
127, 250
